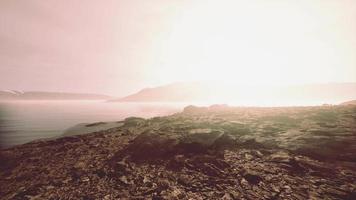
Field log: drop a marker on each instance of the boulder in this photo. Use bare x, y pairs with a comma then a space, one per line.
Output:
152, 145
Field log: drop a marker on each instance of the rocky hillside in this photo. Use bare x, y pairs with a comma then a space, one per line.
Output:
213, 152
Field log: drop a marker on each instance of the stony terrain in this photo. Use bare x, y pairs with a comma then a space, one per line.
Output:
215, 152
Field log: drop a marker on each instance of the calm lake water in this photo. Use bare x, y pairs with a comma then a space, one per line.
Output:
24, 121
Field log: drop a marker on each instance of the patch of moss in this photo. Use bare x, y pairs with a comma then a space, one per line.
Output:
325, 116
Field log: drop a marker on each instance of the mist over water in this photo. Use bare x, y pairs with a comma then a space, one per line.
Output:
25, 121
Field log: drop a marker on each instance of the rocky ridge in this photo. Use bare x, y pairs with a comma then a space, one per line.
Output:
216, 152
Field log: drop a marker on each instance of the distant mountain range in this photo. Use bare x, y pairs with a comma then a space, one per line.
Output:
207, 92
310, 94
39, 95
176, 92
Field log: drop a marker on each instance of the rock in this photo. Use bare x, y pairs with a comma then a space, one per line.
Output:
175, 193
146, 179
252, 177
227, 196
193, 109
124, 180
184, 180
287, 161
85, 179
153, 145
80, 165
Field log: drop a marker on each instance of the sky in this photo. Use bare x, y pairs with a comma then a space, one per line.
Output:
119, 47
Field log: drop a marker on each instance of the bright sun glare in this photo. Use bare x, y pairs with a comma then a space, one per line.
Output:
253, 43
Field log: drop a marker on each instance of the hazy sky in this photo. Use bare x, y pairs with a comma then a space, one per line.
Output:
117, 47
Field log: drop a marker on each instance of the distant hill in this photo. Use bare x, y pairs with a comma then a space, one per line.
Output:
177, 92
352, 102
39, 95
332, 93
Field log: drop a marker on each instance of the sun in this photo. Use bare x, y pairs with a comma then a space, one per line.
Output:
247, 43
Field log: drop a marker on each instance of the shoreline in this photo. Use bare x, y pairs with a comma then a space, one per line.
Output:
203, 152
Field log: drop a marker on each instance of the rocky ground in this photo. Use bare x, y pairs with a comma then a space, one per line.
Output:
215, 152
